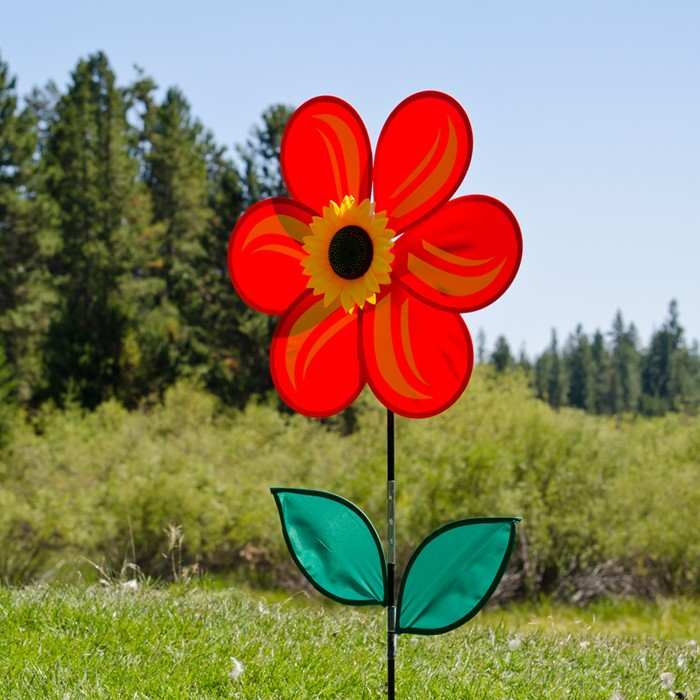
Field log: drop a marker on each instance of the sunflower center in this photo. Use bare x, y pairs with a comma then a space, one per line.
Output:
350, 252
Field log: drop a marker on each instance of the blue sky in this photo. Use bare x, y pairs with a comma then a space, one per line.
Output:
586, 119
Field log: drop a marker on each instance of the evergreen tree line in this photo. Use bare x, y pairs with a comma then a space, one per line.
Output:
611, 373
116, 204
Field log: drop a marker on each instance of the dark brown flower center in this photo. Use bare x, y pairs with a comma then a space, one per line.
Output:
350, 252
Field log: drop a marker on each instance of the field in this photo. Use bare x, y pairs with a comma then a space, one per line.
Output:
168, 491
129, 640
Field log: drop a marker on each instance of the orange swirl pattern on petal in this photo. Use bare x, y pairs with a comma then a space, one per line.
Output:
265, 254
326, 154
315, 358
348, 155
418, 358
388, 355
463, 256
422, 156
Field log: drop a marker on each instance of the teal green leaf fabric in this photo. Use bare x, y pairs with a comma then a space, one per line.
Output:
334, 545
453, 573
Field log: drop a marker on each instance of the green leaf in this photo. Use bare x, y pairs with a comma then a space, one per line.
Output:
334, 545
453, 573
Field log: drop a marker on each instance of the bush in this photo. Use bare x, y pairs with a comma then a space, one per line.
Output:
106, 485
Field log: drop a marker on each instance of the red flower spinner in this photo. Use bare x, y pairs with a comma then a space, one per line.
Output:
410, 263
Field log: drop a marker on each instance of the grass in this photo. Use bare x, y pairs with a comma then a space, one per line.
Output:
178, 642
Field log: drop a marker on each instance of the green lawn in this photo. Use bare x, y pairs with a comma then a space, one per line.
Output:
177, 642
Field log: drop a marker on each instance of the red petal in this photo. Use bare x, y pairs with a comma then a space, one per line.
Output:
463, 256
422, 157
265, 253
314, 357
418, 358
325, 153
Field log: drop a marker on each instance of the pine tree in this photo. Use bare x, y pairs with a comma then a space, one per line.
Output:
580, 369
602, 371
481, 346
557, 387
692, 401
174, 170
523, 360
625, 367
682, 381
541, 375
662, 373
91, 174
551, 382
222, 311
27, 239
501, 357
262, 175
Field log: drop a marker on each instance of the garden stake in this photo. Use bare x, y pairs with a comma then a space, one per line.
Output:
372, 292
391, 638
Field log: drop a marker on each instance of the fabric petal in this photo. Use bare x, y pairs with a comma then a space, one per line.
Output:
265, 253
422, 156
314, 357
462, 256
418, 358
326, 154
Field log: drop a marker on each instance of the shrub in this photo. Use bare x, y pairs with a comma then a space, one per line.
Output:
106, 485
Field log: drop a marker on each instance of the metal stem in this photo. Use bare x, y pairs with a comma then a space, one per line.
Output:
391, 636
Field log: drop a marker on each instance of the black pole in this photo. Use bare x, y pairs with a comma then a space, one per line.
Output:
391, 558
